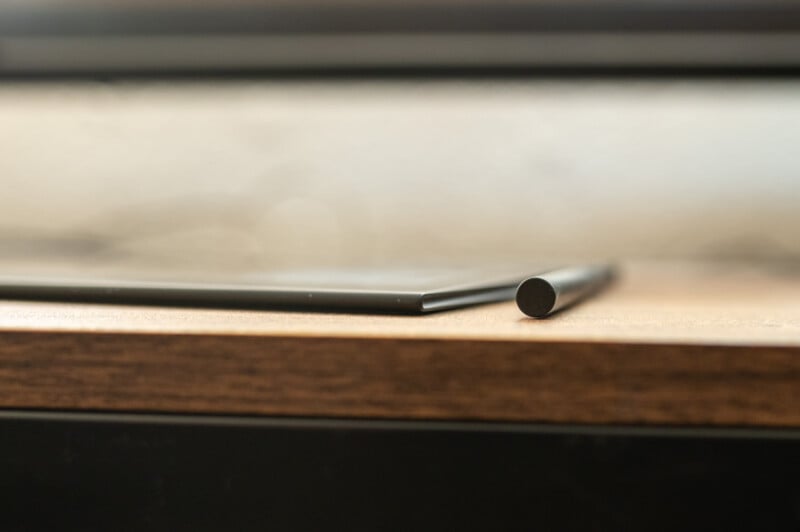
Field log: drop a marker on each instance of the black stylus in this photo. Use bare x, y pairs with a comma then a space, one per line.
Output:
549, 292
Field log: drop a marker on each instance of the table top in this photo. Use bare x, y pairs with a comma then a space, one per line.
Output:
669, 344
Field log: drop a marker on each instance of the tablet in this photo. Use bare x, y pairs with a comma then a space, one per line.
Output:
380, 290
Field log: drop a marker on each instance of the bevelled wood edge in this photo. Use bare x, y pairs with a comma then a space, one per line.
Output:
544, 382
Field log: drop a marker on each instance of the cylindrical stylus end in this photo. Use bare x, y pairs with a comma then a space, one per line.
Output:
536, 297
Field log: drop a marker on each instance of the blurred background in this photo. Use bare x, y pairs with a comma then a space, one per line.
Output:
263, 133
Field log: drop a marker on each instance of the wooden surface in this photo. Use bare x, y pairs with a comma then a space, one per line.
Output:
669, 344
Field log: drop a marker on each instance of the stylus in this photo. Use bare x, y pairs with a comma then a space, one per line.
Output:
549, 292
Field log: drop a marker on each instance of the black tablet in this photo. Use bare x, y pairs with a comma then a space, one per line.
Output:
385, 290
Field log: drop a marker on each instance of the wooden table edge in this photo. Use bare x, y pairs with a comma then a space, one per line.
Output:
589, 382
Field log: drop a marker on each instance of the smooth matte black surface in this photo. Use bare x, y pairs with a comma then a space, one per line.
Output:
536, 297
409, 290
124, 473
555, 290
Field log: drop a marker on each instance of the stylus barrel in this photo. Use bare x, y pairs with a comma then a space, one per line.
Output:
550, 292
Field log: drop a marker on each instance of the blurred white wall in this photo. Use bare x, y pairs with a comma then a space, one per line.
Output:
306, 172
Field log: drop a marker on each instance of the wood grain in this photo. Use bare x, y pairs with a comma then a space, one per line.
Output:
676, 346
544, 382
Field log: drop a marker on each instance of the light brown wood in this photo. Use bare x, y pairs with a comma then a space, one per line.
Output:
679, 344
